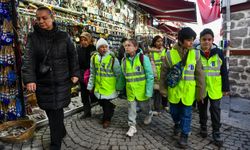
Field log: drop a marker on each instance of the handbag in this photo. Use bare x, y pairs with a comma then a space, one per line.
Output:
174, 75
43, 67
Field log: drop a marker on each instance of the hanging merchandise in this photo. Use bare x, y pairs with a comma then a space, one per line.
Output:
8, 77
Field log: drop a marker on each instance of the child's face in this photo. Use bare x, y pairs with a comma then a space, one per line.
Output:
188, 43
130, 48
103, 49
206, 41
159, 43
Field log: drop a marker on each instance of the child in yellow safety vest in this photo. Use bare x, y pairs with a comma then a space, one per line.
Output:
217, 84
105, 72
156, 52
139, 77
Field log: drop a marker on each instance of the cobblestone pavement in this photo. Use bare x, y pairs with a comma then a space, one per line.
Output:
89, 134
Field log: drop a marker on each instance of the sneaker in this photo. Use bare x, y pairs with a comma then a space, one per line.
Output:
217, 139
156, 113
203, 132
148, 119
183, 142
177, 129
132, 130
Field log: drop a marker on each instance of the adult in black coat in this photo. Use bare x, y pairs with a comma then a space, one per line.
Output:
84, 51
53, 86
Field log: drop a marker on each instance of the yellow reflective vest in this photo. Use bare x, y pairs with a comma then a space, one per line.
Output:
135, 79
211, 68
156, 57
105, 80
185, 90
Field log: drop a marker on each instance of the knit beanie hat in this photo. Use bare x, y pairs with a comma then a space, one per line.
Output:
101, 42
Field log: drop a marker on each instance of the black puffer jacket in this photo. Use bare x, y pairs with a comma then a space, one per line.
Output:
53, 88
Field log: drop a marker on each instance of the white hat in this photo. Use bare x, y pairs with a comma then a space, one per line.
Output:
101, 42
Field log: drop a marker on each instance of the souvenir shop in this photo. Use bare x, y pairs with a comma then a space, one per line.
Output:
109, 19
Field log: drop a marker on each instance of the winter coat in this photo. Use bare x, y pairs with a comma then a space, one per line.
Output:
223, 70
54, 88
148, 71
84, 55
199, 75
117, 73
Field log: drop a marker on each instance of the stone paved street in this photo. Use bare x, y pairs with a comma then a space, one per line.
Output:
89, 134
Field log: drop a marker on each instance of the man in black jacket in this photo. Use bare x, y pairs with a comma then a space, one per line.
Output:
84, 51
50, 66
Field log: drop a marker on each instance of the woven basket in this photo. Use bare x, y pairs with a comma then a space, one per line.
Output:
29, 124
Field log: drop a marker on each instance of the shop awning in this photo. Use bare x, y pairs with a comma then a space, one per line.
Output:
169, 10
168, 29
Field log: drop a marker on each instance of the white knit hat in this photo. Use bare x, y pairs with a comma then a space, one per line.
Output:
100, 42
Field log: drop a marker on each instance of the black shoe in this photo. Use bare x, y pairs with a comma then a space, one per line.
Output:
177, 129
85, 115
217, 139
203, 132
64, 133
183, 142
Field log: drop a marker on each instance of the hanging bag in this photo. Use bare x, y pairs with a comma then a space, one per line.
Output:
174, 74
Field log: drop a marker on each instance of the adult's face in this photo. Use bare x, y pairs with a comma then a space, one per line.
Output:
84, 42
206, 42
44, 19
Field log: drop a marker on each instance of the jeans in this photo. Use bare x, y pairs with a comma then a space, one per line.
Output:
182, 115
132, 114
214, 111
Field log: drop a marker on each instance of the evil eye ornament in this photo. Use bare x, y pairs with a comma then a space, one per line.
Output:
5, 10
11, 78
6, 101
7, 38
11, 114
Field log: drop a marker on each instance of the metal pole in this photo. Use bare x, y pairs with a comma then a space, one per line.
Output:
228, 21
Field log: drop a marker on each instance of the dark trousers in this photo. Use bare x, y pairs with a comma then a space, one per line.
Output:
182, 115
157, 100
214, 111
57, 128
108, 109
87, 98
164, 101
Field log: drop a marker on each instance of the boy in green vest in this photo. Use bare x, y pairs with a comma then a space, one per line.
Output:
190, 87
105, 71
138, 73
217, 83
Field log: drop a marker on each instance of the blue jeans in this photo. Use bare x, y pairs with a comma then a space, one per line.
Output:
182, 115
145, 106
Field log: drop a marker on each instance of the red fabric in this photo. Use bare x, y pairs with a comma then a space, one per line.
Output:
86, 77
208, 12
207, 54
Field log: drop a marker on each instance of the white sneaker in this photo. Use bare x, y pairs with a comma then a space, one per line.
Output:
148, 119
132, 130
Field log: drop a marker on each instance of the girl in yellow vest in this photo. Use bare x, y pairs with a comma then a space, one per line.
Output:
190, 87
105, 71
156, 52
217, 84
139, 77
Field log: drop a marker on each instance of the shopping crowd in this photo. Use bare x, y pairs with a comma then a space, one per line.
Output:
161, 79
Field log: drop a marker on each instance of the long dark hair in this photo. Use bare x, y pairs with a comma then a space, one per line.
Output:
154, 40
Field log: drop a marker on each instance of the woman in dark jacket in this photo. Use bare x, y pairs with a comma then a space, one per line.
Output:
84, 51
53, 85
